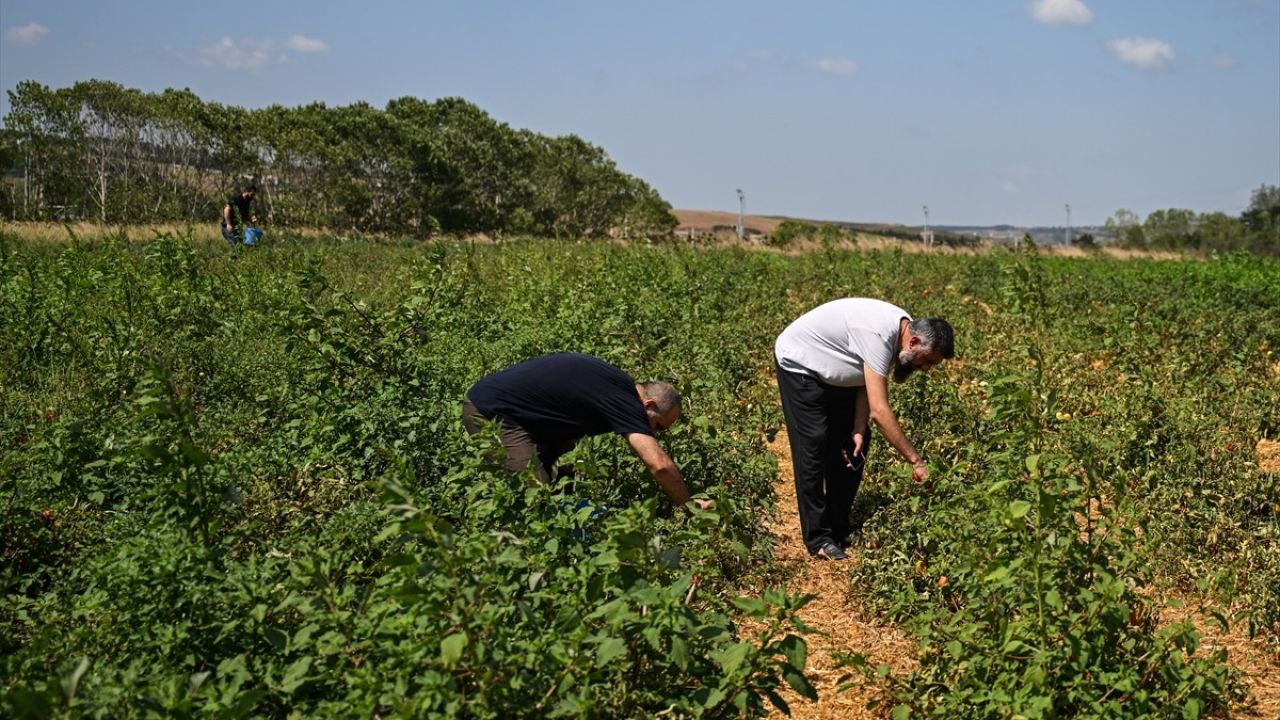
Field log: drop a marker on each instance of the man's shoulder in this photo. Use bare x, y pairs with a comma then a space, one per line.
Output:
582, 361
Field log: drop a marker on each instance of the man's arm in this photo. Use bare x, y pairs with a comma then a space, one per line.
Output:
883, 417
860, 415
226, 216
663, 468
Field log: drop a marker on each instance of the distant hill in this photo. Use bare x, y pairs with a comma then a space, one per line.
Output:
710, 222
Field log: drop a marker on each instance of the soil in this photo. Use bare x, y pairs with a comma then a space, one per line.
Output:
1268, 458
847, 627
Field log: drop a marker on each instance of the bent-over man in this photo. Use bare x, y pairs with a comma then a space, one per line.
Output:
833, 366
236, 213
546, 404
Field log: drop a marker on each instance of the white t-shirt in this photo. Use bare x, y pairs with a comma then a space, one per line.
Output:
833, 342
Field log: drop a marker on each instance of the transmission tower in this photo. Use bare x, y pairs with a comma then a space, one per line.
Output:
926, 235
1068, 223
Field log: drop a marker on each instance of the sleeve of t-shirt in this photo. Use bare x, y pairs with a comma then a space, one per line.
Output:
624, 413
881, 358
874, 349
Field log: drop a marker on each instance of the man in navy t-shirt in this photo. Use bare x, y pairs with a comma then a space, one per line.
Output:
236, 213
546, 404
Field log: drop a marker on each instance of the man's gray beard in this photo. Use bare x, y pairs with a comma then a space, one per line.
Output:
903, 367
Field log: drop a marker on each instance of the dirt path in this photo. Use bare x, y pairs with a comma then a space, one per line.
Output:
1259, 671
847, 628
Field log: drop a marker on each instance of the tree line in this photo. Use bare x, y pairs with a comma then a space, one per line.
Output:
103, 152
1256, 230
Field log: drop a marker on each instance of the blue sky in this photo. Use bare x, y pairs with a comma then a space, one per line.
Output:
988, 111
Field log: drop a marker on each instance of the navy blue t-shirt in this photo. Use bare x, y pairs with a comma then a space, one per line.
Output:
239, 210
564, 396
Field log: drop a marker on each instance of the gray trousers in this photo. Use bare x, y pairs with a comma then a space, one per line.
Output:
522, 450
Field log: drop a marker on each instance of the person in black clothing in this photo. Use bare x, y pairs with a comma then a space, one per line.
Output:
236, 212
546, 404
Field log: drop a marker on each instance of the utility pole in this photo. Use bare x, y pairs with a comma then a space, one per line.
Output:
926, 235
1068, 223
742, 212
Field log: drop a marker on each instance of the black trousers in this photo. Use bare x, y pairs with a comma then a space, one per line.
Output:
820, 427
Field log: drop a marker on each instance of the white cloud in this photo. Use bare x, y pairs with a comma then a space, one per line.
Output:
838, 66
303, 44
1224, 61
1143, 52
253, 55
1061, 12
28, 34
248, 55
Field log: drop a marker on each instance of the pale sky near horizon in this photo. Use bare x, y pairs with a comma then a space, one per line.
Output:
990, 111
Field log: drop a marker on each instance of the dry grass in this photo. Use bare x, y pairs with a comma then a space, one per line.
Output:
705, 222
847, 628
57, 233
701, 222
1268, 459
1259, 670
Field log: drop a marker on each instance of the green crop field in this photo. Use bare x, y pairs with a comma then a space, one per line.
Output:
239, 487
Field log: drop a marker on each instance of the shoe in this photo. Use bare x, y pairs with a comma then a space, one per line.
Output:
830, 551
848, 541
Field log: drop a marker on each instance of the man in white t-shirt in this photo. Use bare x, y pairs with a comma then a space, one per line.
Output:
833, 367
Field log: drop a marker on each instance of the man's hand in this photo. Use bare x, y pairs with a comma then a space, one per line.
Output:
919, 471
704, 504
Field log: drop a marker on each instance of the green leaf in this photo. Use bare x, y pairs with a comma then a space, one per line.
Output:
799, 683
751, 606
1033, 462
732, 658
1191, 711
714, 698
680, 652
1019, 508
778, 702
902, 712
295, 675
796, 650
451, 648
610, 648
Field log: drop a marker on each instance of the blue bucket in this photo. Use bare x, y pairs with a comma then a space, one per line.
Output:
252, 236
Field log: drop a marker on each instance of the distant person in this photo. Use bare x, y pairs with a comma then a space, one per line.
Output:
833, 365
544, 405
237, 212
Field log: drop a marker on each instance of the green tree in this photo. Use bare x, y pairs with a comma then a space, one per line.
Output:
1262, 220
1219, 232
1126, 228
1170, 229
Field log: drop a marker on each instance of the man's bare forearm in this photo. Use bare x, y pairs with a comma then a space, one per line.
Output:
892, 431
673, 485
